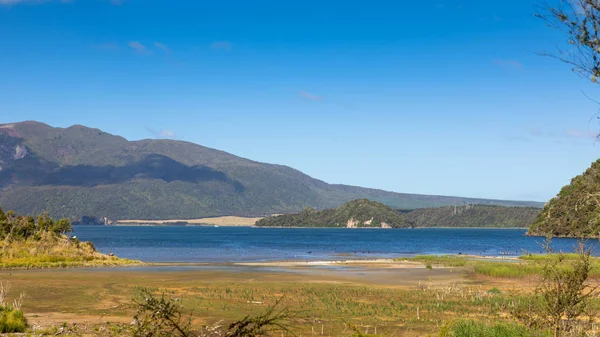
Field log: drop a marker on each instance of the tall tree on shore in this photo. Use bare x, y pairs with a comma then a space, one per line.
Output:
580, 21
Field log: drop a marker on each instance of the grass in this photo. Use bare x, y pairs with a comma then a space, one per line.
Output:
525, 266
471, 328
52, 251
319, 302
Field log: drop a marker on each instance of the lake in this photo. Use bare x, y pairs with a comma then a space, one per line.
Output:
243, 244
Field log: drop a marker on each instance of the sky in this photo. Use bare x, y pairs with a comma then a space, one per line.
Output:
446, 97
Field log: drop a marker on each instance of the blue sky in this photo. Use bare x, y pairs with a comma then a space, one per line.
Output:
435, 97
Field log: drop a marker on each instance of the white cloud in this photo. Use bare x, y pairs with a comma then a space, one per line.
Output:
162, 133
224, 45
162, 47
509, 64
167, 134
567, 133
140, 48
310, 96
107, 46
17, 2
574, 133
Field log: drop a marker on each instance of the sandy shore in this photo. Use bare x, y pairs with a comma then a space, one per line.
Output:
390, 263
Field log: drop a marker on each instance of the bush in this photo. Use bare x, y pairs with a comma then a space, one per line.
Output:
12, 320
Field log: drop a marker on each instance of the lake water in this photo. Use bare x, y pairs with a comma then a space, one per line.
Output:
237, 244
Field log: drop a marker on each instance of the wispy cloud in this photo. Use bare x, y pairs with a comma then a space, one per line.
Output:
138, 47
509, 64
574, 133
221, 45
163, 133
162, 47
16, 2
567, 133
310, 96
107, 46
518, 139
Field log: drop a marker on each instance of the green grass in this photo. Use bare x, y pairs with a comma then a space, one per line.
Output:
525, 266
12, 320
470, 328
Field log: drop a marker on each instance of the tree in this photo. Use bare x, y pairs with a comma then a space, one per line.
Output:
563, 295
580, 21
62, 226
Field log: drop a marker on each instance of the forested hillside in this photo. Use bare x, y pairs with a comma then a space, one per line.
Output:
473, 216
353, 214
575, 211
78, 171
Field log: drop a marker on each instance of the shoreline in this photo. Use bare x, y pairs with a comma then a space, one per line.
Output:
290, 227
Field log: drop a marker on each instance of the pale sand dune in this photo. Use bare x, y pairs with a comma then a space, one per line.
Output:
218, 221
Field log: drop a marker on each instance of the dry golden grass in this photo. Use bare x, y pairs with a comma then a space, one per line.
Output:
52, 251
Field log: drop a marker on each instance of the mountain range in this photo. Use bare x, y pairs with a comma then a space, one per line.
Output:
80, 171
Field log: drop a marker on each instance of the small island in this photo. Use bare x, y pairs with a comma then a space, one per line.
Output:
41, 242
361, 213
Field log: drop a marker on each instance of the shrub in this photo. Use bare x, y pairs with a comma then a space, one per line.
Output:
12, 320
470, 328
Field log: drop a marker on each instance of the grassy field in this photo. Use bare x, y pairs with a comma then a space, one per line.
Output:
386, 299
390, 302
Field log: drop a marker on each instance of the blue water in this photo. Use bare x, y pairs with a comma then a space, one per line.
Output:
238, 244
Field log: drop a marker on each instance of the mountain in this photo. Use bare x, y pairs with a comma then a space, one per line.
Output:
575, 211
353, 214
79, 171
473, 216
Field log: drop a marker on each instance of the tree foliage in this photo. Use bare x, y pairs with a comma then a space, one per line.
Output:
22, 227
473, 216
580, 21
575, 211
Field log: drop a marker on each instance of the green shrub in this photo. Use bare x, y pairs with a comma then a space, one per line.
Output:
470, 328
12, 320
494, 291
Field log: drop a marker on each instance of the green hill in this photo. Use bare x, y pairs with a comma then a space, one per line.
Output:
354, 214
78, 171
473, 216
575, 211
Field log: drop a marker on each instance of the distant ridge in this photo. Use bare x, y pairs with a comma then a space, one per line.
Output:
79, 171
